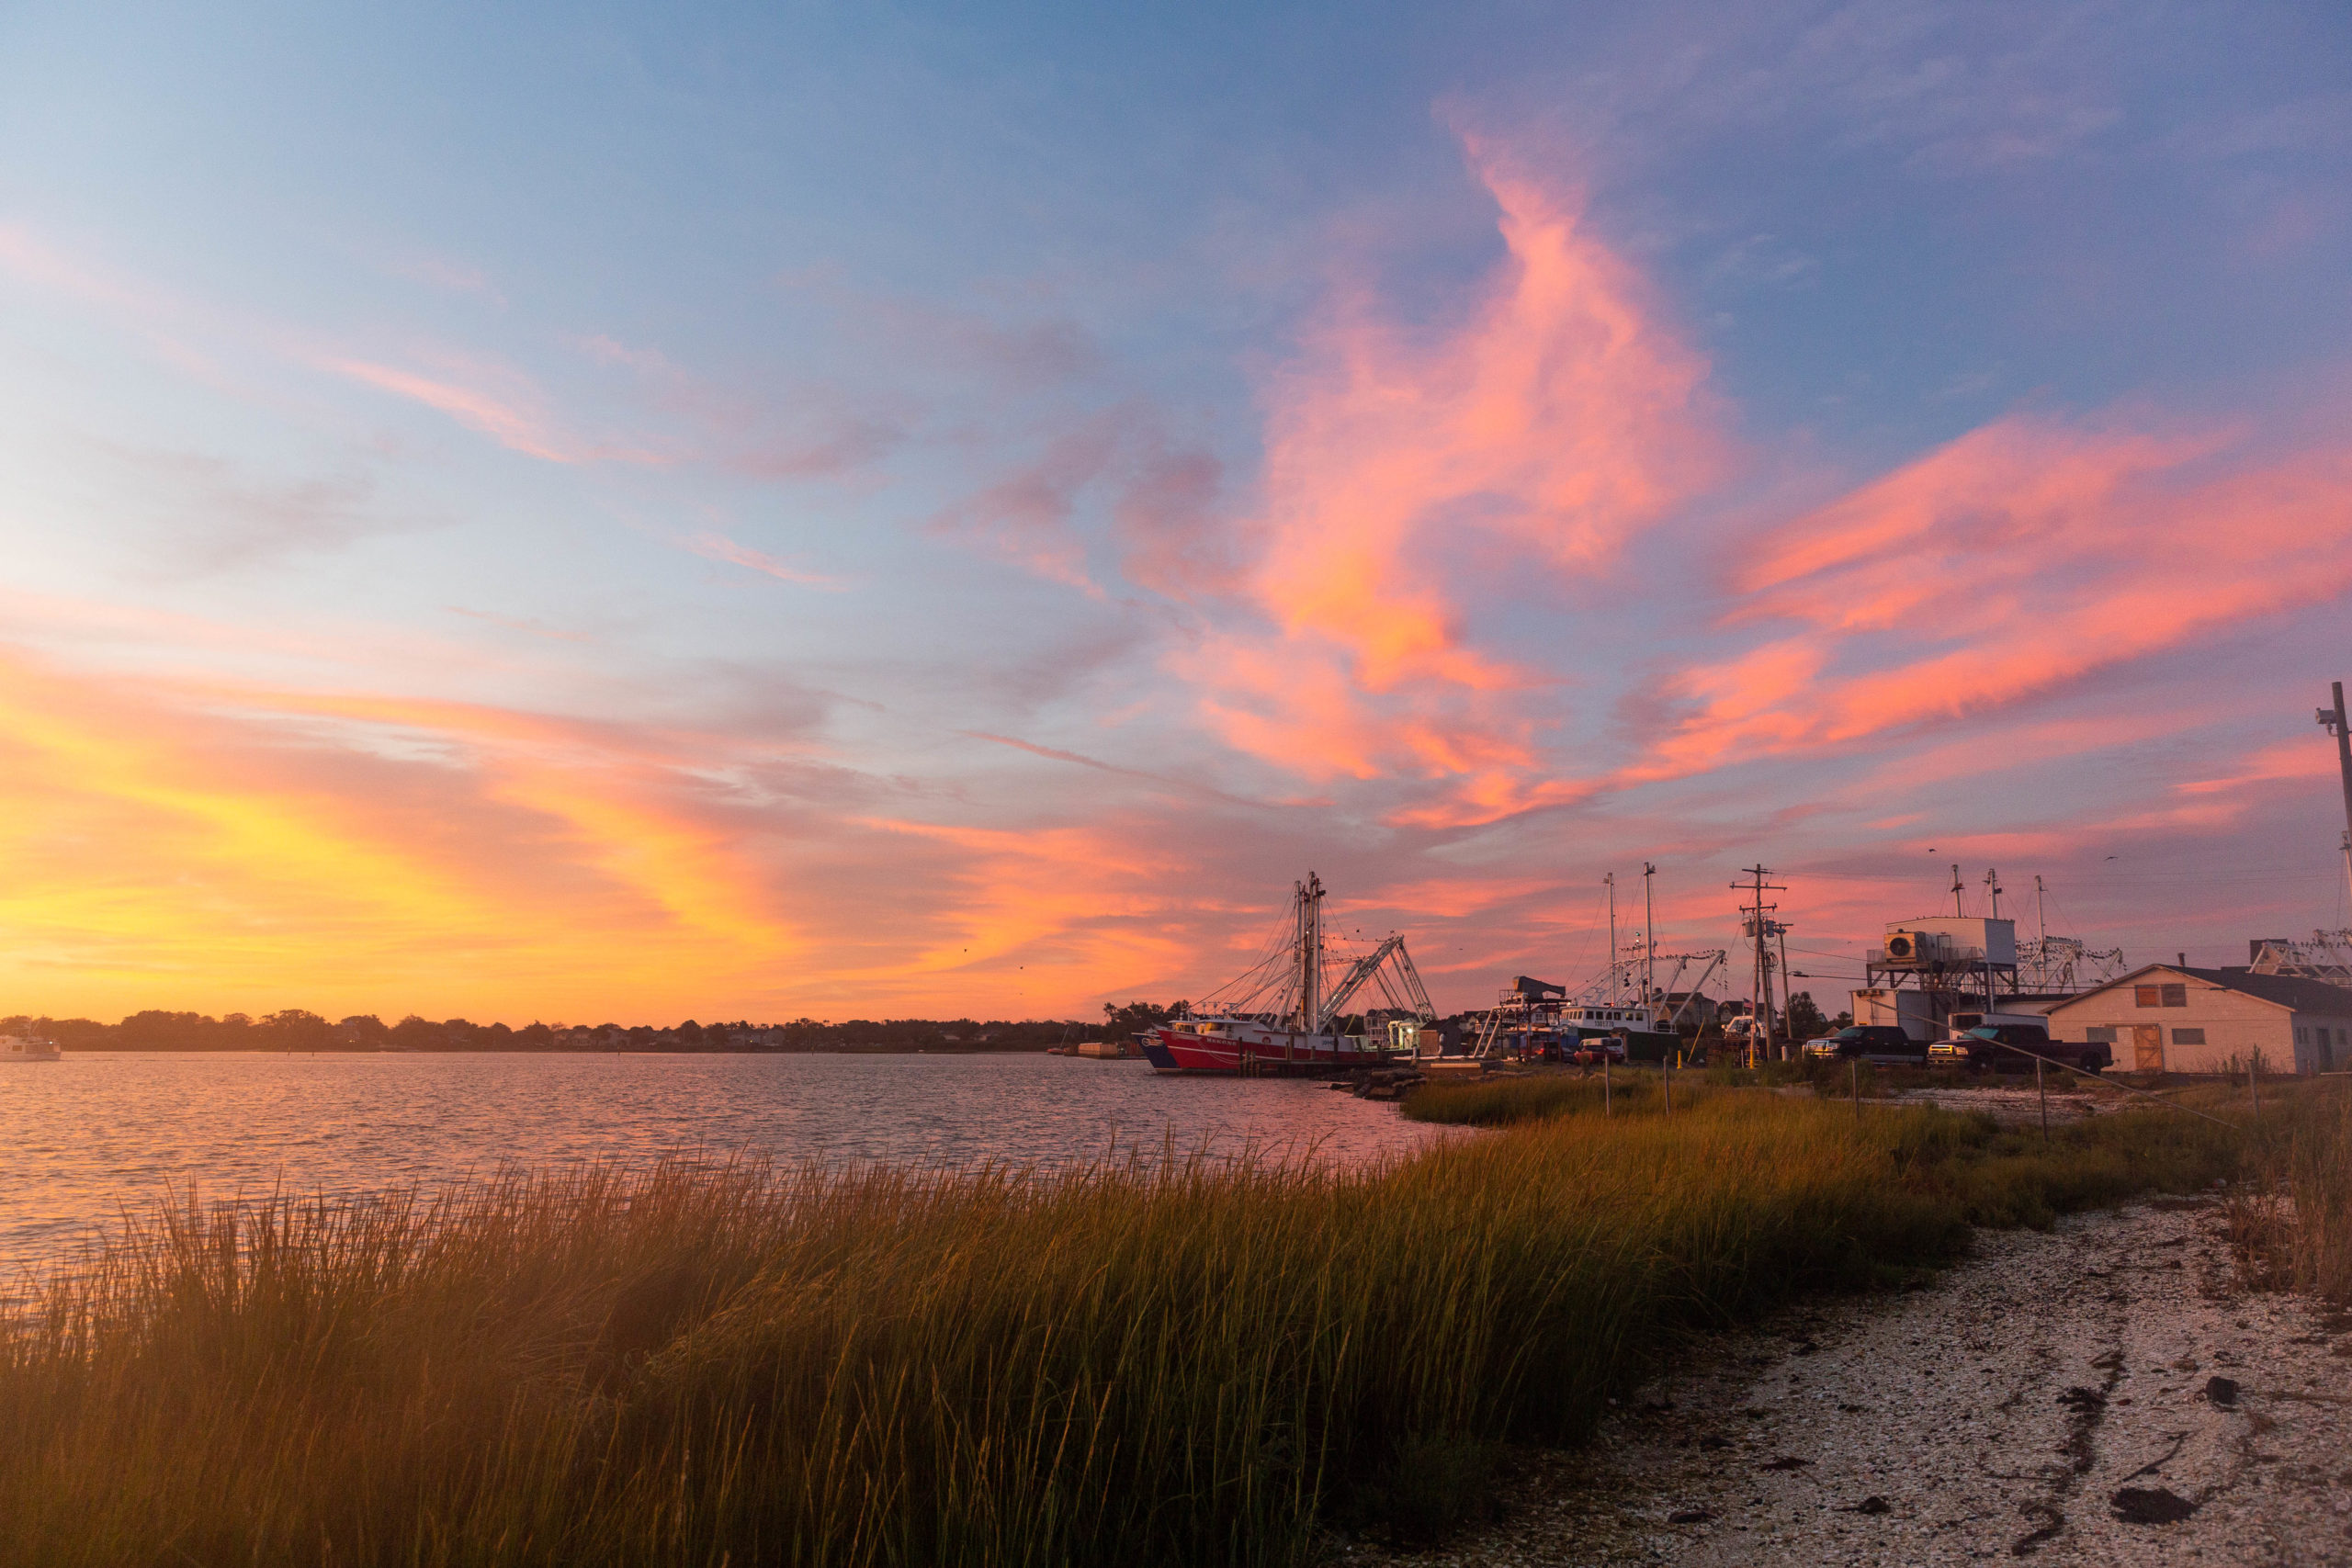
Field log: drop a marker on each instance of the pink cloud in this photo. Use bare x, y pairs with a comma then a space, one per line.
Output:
2282, 761
2010, 563
1026, 517
1408, 476
1173, 539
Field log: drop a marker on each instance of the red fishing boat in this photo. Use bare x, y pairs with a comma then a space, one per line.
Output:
1286, 1013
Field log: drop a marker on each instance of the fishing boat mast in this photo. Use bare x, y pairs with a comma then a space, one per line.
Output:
1616, 974
1649, 936
1306, 906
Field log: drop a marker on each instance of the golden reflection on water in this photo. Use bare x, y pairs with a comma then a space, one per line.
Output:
100, 1131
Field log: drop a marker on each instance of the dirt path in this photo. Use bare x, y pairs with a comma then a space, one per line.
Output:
2096, 1395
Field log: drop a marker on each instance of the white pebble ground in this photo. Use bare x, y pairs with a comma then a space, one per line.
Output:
1999, 1415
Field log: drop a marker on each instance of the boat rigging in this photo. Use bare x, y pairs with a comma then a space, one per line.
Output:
1285, 1013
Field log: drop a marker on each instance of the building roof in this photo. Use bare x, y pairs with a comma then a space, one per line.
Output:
2283, 990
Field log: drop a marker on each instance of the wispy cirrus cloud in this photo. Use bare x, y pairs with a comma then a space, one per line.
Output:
1027, 516
213, 515
494, 400
518, 624
2282, 761
444, 273
482, 393
719, 548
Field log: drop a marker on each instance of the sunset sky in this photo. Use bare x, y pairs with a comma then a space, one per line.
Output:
634, 512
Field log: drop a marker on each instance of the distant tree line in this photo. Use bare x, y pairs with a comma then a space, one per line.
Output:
295, 1029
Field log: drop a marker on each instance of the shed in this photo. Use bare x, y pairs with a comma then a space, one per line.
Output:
2170, 1018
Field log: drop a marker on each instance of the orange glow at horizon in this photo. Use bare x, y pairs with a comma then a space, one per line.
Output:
222, 849
166, 854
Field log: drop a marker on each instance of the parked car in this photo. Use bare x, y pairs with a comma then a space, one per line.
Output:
1870, 1043
1595, 1049
2014, 1047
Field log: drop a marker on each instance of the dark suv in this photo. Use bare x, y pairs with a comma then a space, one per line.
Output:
1869, 1041
1991, 1045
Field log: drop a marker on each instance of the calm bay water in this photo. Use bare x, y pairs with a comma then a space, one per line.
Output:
84, 1138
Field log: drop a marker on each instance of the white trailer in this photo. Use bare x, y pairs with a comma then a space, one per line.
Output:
1910, 1010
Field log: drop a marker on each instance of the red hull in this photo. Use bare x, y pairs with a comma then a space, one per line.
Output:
1271, 1052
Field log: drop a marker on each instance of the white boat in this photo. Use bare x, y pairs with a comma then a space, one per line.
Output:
19, 1048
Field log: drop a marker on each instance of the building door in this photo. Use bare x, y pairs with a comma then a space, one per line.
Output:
2147, 1048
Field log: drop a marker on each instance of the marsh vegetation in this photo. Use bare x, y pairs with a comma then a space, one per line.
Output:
1150, 1363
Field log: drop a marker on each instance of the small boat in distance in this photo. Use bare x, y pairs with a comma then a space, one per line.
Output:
1284, 1015
23, 1048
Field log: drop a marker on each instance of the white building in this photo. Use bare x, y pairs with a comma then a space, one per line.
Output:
2168, 1017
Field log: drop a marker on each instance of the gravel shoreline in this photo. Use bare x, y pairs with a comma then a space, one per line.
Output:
2103, 1394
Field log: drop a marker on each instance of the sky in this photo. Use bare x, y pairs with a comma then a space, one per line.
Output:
583, 513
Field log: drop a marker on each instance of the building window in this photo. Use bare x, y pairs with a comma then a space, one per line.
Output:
2302, 1035
2146, 996
2175, 995
2100, 1034
2188, 1037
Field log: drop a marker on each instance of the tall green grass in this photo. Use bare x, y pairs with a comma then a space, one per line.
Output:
1189, 1362
2318, 1160
1501, 1101
2293, 1230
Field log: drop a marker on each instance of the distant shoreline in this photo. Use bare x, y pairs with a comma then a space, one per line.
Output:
294, 1031
562, 1051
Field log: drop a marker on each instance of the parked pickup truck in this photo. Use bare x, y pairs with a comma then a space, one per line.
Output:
1870, 1043
2014, 1047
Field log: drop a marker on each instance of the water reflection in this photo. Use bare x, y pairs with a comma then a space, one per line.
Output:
98, 1133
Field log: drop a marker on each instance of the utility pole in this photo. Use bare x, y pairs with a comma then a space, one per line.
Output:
1782, 931
2332, 719
1759, 930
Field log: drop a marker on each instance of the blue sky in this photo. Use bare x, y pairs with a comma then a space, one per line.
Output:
849, 511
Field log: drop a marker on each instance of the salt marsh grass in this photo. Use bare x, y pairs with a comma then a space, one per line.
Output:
2293, 1229
1499, 1101
1176, 1362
